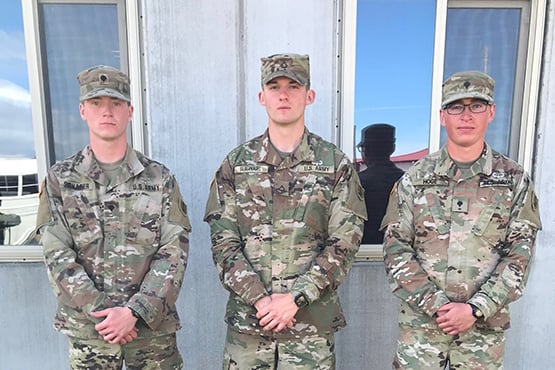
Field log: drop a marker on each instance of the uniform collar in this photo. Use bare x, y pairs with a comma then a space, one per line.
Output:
267, 153
87, 165
447, 167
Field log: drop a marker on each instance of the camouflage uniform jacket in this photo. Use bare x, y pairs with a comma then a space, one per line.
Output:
120, 244
460, 238
286, 225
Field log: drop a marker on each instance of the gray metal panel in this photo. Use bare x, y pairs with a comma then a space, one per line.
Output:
368, 341
27, 306
192, 59
303, 27
197, 103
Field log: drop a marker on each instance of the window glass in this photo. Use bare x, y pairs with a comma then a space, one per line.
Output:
487, 40
74, 37
394, 58
393, 79
18, 167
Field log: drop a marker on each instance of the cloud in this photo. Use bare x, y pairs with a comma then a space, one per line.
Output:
13, 46
16, 125
14, 94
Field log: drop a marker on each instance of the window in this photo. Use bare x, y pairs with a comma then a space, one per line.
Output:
18, 173
493, 37
63, 37
501, 37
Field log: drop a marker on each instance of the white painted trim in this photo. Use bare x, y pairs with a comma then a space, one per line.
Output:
532, 84
134, 54
347, 100
34, 68
21, 253
437, 74
370, 252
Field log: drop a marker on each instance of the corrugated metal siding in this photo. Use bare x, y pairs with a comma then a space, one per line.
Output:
201, 68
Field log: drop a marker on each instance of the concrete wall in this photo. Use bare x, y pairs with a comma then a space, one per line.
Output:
201, 68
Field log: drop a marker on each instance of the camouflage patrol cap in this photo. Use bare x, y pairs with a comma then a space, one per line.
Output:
103, 81
467, 84
294, 66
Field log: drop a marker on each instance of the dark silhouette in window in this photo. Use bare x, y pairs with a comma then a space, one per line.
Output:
376, 147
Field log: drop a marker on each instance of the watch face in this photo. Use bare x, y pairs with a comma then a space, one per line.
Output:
300, 300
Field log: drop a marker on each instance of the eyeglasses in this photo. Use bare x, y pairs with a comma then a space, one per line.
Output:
474, 107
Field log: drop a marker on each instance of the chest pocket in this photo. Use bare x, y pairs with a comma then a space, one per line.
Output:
253, 198
430, 218
494, 218
83, 215
144, 220
313, 200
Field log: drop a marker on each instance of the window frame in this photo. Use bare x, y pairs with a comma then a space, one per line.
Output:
528, 74
128, 16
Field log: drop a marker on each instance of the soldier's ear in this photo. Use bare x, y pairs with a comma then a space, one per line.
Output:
310, 96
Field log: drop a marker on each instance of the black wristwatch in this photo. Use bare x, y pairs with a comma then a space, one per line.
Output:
134, 313
476, 312
300, 299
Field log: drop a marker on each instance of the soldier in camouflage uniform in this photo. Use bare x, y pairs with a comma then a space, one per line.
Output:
459, 238
286, 212
115, 233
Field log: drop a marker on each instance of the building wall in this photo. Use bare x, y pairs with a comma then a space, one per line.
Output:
201, 71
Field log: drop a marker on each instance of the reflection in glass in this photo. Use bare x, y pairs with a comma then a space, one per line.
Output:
377, 179
18, 199
486, 40
18, 166
73, 37
393, 82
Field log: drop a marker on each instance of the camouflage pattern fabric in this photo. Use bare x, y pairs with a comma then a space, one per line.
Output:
102, 80
158, 353
119, 244
285, 225
455, 236
431, 349
293, 66
467, 84
244, 351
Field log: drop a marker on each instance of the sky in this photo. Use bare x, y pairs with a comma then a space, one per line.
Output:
16, 129
393, 73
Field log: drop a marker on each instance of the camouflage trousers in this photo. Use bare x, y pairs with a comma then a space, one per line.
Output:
249, 352
158, 353
430, 349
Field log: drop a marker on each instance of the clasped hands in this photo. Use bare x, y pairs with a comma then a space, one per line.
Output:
276, 312
118, 327
455, 318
